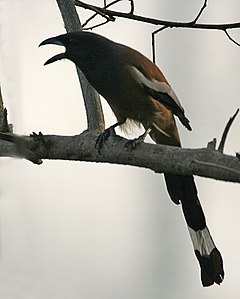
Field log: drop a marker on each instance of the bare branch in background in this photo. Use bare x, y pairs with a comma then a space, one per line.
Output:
153, 41
102, 12
96, 14
105, 7
132, 7
164, 27
153, 21
231, 39
170, 24
200, 12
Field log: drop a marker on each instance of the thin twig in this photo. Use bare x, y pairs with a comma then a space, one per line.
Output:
225, 132
200, 12
153, 21
132, 7
97, 25
102, 12
153, 41
230, 38
94, 15
164, 27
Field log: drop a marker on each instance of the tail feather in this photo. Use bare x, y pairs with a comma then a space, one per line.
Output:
183, 189
208, 256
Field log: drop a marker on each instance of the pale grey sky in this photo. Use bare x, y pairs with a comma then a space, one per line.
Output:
83, 230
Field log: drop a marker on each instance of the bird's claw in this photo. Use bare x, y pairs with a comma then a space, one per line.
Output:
38, 137
132, 144
103, 137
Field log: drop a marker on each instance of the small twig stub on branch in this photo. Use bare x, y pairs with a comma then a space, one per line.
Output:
225, 132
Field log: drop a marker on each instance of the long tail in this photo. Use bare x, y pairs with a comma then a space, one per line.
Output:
183, 189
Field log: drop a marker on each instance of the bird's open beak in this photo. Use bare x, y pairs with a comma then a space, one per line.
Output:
53, 41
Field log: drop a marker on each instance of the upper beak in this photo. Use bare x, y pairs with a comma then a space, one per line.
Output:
53, 41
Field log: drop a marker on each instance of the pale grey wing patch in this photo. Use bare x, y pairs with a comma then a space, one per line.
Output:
154, 84
162, 92
160, 130
163, 87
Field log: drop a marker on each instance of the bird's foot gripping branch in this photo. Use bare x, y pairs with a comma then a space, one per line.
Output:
103, 137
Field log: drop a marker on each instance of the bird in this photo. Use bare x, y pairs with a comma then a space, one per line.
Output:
137, 91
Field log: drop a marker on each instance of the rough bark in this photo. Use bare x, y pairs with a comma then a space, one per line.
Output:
91, 98
203, 162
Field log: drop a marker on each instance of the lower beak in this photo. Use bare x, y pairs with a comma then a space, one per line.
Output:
53, 41
55, 58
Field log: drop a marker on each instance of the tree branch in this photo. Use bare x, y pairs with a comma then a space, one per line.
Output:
5, 127
230, 38
166, 24
200, 12
153, 21
91, 98
203, 162
165, 27
153, 41
94, 15
132, 6
225, 132
104, 14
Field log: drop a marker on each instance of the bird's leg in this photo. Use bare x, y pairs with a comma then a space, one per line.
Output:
131, 144
102, 138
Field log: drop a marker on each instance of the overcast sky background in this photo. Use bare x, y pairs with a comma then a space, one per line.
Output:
85, 230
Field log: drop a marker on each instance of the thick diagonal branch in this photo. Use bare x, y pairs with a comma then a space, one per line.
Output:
92, 102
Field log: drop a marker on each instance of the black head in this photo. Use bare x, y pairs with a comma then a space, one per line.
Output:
79, 45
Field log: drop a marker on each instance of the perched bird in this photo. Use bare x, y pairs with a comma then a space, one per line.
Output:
137, 90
